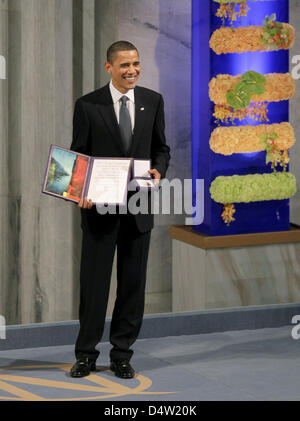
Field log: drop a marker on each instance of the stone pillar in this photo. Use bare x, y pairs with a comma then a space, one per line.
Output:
295, 113
106, 32
161, 30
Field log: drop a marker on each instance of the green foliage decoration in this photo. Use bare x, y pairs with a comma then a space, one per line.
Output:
234, 1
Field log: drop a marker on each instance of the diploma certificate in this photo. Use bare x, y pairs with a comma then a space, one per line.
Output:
108, 180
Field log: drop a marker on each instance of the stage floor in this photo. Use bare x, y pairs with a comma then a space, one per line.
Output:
247, 365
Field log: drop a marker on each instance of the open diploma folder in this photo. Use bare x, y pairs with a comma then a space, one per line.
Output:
142, 179
70, 175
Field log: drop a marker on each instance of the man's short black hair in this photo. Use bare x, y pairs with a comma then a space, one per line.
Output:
119, 46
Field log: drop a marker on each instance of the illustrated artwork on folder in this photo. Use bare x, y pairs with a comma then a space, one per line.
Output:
249, 125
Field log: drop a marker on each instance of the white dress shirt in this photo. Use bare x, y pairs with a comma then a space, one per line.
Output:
116, 97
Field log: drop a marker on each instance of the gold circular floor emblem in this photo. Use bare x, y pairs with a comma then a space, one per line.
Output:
94, 386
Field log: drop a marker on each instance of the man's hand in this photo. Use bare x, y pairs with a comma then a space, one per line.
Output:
155, 175
85, 203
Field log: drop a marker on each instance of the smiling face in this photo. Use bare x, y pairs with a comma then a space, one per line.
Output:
124, 69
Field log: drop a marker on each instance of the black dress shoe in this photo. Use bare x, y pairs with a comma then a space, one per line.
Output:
122, 369
83, 367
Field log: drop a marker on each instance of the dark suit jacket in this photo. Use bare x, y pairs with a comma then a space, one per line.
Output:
96, 133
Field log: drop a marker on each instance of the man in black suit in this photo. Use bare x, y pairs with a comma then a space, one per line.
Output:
118, 120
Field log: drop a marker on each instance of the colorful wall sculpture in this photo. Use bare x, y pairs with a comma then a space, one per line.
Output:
241, 137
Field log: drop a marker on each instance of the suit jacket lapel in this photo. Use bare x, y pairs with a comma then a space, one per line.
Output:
106, 108
140, 118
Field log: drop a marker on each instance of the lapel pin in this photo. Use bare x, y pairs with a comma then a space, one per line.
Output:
142, 109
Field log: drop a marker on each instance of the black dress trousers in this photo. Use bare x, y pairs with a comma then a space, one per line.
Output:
98, 249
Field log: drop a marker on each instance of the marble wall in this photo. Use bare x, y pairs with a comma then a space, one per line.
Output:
161, 30
4, 267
